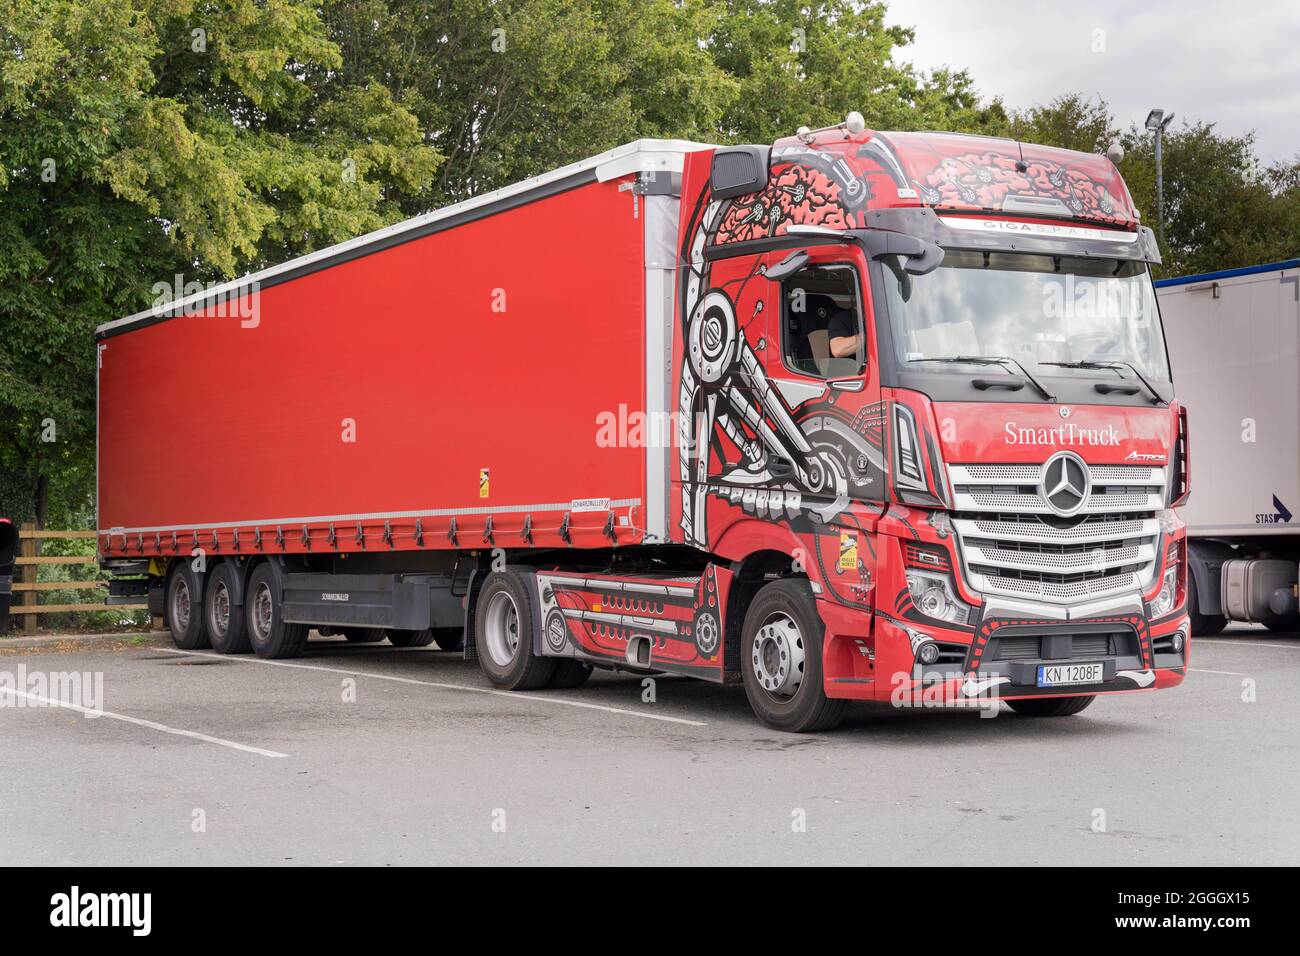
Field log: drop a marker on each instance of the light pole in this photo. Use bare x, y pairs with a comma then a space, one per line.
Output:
1158, 122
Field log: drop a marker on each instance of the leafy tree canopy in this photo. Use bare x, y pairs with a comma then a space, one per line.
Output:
144, 139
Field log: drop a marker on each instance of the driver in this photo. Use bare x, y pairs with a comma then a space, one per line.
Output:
842, 334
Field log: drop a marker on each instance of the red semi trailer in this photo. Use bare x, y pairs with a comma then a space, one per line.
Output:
856, 416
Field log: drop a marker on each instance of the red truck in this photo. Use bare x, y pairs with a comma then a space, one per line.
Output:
856, 416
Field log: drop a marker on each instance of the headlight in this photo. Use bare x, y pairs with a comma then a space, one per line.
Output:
1166, 597
934, 597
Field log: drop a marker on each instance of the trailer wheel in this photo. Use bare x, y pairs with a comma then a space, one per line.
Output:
268, 632
364, 635
185, 607
569, 673
411, 638
1203, 625
449, 638
781, 660
222, 617
503, 635
1050, 706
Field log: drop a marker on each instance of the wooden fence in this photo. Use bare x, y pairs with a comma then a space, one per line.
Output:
25, 584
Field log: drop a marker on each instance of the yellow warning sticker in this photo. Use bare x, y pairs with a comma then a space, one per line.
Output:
483, 482
848, 551
595, 607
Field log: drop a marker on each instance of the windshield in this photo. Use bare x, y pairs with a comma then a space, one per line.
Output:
1046, 312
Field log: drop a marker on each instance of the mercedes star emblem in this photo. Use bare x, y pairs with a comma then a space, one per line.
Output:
1065, 482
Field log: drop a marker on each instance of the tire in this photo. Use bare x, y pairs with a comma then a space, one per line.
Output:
1203, 625
1050, 706
224, 620
569, 673
781, 660
363, 635
270, 636
411, 638
503, 635
1280, 624
185, 608
449, 638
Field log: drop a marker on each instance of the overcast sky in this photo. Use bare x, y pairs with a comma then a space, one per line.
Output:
1237, 64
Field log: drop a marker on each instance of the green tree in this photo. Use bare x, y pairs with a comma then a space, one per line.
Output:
140, 141
1223, 209
1070, 122
509, 89
808, 62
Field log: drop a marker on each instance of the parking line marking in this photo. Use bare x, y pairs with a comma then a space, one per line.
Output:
513, 695
1202, 670
141, 722
1207, 640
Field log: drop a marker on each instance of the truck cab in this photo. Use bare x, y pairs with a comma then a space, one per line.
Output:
932, 367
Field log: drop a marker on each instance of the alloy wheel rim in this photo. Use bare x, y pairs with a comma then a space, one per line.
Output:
221, 608
181, 605
262, 611
778, 656
501, 628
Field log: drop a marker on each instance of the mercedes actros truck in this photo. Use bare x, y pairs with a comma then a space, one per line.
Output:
856, 416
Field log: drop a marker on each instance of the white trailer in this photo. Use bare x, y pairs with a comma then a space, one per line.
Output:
1234, 346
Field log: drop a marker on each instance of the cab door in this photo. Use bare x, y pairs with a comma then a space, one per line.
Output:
821, 361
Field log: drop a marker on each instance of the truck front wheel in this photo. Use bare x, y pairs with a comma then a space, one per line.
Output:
781, 660
503, 635
268, 632
185, 608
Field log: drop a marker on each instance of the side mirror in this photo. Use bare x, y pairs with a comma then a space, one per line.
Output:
920, 256
787, 266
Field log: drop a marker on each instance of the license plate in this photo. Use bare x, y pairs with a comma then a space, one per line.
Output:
1055, 675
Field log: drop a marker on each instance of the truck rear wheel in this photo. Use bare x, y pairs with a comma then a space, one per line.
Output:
411, 638
1049, 706
222, 617
450, 638
781, 660
185, 608
268, 632
503, 635
1280, 623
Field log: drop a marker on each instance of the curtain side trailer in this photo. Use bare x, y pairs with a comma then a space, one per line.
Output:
1234, 341
801, 417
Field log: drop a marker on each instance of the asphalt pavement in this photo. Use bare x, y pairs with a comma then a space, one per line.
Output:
368, 754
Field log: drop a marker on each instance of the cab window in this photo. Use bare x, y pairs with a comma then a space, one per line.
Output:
822, 333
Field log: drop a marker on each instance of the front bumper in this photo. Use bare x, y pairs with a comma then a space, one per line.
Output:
1003, 663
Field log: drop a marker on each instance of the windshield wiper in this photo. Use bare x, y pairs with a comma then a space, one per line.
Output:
1115, 367
999, 360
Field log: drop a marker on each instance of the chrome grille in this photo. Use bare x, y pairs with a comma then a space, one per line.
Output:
1013, 544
